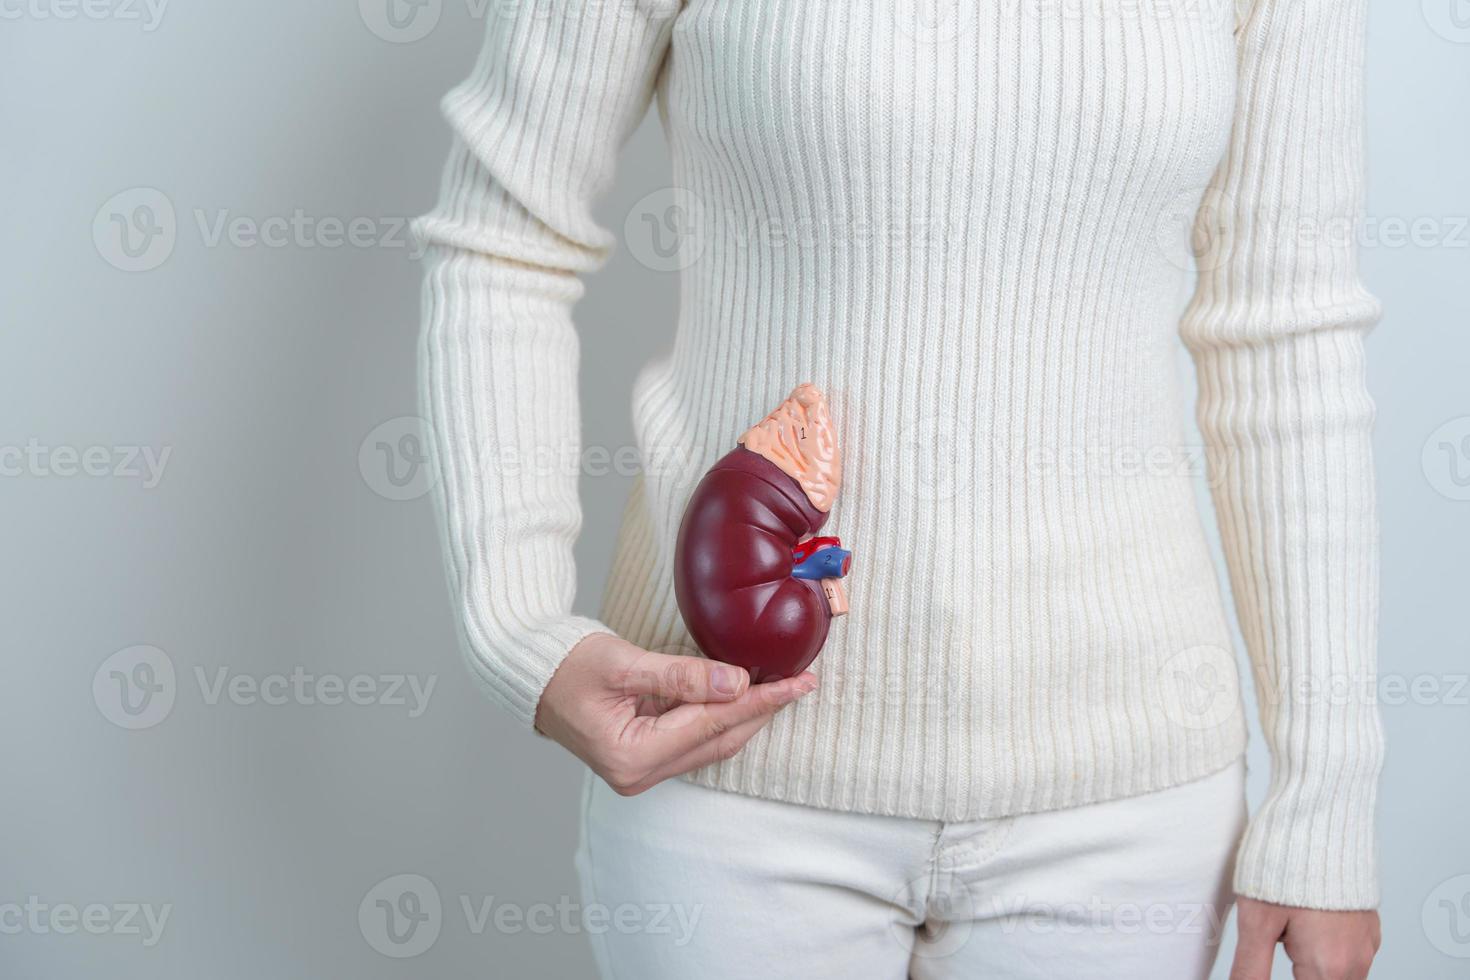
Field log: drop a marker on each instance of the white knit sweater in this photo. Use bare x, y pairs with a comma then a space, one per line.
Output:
966, 223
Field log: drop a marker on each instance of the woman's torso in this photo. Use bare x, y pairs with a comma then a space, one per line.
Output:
971, 230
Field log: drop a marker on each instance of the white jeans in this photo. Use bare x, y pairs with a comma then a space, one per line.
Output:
693, 882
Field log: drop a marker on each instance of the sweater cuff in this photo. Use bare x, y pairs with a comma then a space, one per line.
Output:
522, 673
1312, 845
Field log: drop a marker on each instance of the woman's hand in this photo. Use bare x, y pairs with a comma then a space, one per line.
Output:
637, 717
1322, 945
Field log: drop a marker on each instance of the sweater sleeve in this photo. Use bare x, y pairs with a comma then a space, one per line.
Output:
1276, 330
558, 87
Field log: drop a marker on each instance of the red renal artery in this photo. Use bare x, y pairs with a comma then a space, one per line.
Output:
803, 550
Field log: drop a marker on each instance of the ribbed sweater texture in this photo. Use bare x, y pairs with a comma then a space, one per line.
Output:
970, 225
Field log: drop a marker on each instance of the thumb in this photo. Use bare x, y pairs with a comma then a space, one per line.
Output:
686, 679
1255, 945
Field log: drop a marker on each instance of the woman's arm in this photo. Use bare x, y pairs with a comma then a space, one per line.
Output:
558, 88
1276, 329
537, 127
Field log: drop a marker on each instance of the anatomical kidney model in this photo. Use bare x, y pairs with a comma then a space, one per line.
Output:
756, 586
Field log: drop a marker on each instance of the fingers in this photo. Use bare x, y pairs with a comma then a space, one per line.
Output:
692, 735
686, 679
1258, 930
718, 749
689, 726
1252, 958
1331, 945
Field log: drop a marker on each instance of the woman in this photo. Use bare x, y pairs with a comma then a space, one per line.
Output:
1025, 757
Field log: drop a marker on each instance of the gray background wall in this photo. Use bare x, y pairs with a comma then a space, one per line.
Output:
262, 348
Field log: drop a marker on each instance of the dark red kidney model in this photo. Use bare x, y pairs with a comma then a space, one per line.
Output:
756, 586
